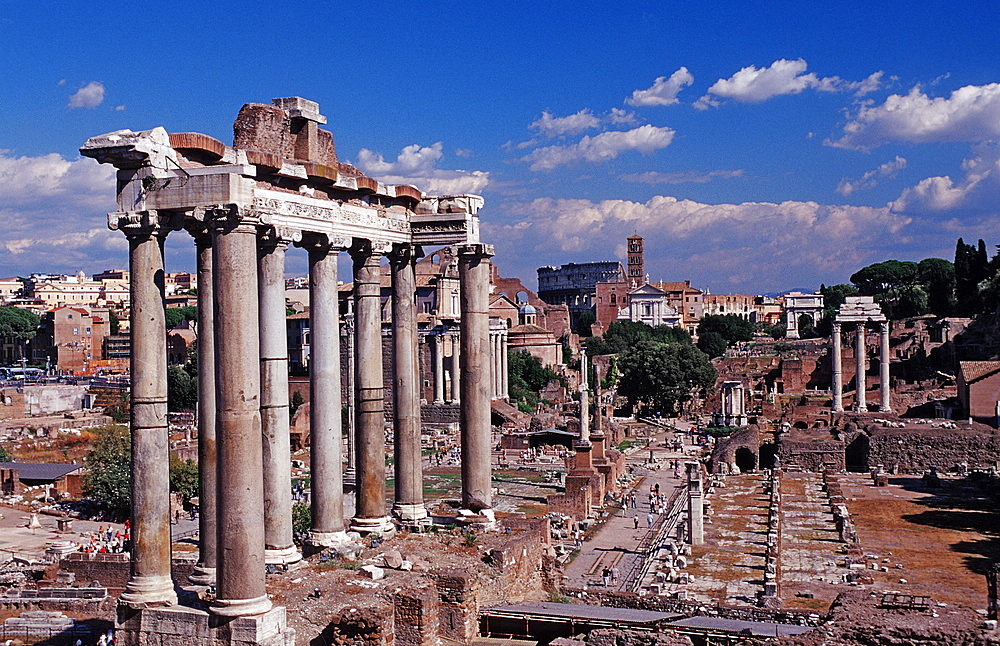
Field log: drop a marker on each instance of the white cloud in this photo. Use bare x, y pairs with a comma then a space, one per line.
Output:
977, 192
550, 126
618, 116
417, 165
694, 177
55, 215
754, 85
663, 91
760, 243
971, 113
602, 147
89, 96
871, 178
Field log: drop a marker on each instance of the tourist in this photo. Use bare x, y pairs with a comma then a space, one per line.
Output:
615, 573
606, 577
635, 520
649, 520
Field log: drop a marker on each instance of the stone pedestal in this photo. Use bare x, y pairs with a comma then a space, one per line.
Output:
184, 626
696, 505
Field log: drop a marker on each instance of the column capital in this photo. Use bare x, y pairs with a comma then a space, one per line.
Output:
228, 215
363, 247
145, 223
271, 236
322, 242
404, 253
474, 251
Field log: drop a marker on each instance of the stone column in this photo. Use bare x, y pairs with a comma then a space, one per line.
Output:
279, 547
409, 490
352, 409
240, 569
504, 376
598, 402
456, 379
325, 400
370, 514
859, 357
885, 405
584, 400
150, 583
838, 374
474, 276
204, 572
696, 505
438, 368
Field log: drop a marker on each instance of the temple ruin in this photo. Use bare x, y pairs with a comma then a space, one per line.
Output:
281, 183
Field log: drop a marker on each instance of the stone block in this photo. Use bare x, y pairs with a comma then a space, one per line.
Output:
373, 572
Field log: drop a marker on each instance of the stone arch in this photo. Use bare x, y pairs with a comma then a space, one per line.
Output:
522, 296
745, 459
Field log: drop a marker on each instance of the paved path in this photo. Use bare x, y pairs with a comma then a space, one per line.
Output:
616, 541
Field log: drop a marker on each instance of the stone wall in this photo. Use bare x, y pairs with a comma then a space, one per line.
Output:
416, 617
916, 450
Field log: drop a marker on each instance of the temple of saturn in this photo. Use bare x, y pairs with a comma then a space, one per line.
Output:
860, 310
280, 183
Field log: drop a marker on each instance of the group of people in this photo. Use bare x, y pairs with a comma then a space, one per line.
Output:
109, 540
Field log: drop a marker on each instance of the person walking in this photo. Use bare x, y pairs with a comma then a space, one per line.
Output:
606, 577
649, 520
635, 520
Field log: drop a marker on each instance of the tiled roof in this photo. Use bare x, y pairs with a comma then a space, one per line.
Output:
974, 370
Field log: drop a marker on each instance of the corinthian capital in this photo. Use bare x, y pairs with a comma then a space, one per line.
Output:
145, 223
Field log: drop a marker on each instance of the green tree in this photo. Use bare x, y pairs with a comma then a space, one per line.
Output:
938, 275
732, 328
526, 377
5, 455
18, 324
174, 316
182, 390
114, 323
584, 322
293, 405
712, 344
895, 285
183, 477
301, 518
109, 470
622, 335
661, 376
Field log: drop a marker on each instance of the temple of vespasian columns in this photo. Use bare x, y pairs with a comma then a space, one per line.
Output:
279, 183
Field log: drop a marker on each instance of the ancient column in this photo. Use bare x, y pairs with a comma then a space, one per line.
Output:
494, 363
204, 572
696, 505
474, 276
279, 548
438, 368
859, 357
598, 402
584, 399
504, 376
456, 378
325, 434
885, 405
409, 490
837, 365
370, 513
352, 409
150, 582
240, 568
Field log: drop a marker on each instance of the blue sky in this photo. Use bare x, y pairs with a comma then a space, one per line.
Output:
757, 147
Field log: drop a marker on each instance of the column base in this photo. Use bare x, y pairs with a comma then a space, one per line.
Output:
149, 592
367, 526
343, 543
202, 575
184, 626
409, 513
484, 519
241, 607
282, 556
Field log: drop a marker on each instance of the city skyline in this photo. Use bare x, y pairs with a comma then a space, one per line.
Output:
756, 151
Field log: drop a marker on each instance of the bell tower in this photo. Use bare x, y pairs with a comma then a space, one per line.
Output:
636, 273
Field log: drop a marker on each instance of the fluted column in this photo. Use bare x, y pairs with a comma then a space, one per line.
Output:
474, 275
352, 409
494, 373
279, 547
150, 583
584, 399
456, 378
325, 417
885, 405
204, 572
409, 489
838, 374
240, 569
370, 514
504, 368
438, 368
859, 371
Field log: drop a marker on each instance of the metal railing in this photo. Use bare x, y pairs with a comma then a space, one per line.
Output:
653, 539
